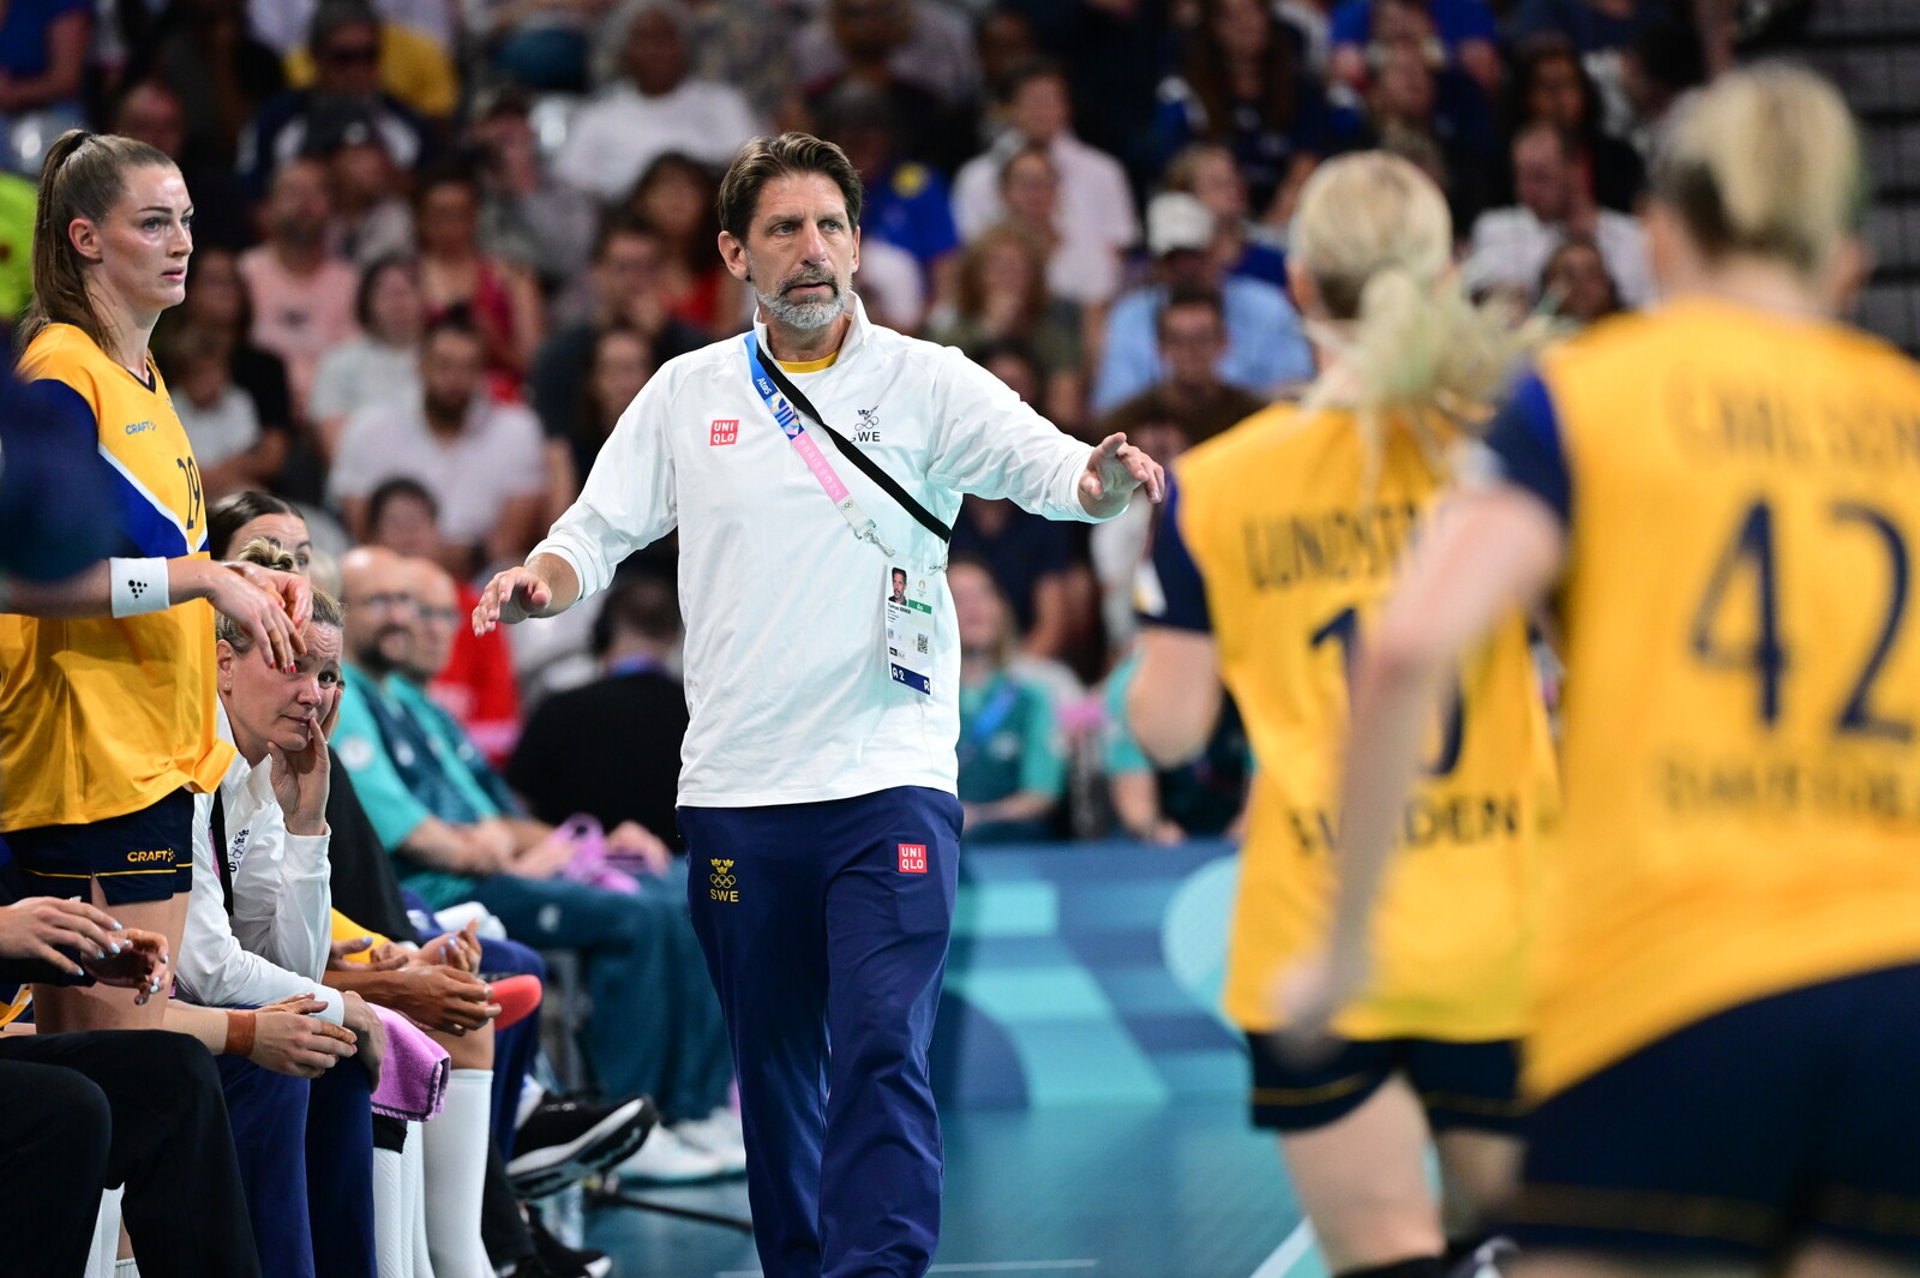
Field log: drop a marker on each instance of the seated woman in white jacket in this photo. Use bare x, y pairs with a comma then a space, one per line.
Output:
266, 918
258, 936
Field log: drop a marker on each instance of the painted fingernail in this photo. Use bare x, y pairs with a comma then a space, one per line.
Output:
115, 946
118, 926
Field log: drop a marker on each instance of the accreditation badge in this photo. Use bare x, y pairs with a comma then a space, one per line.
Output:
910, 627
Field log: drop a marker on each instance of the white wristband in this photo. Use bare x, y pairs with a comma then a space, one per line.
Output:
139, 586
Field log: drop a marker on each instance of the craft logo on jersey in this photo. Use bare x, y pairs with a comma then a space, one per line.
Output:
724, 885
725, 431
913, 858
868, 431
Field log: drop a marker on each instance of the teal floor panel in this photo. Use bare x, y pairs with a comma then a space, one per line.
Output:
1109, 1192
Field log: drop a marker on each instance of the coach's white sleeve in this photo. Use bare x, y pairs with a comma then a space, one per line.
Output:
213, 969
629, 499
992, 444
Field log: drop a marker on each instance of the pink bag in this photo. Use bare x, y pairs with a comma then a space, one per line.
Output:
590, 864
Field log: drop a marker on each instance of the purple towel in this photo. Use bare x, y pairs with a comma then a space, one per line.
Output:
413, 1078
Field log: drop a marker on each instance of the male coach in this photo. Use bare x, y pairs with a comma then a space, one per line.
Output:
817, 777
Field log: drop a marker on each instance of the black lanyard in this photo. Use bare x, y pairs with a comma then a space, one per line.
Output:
220, 866
865, 464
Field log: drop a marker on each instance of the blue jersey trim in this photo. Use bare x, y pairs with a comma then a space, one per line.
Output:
1181, 586
1525, 438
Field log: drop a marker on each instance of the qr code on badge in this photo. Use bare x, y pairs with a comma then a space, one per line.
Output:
920, 644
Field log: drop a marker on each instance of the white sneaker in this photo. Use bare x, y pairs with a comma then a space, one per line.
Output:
666, 1159
719, 1134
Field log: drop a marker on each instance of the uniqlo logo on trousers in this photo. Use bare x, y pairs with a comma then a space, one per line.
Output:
913, 858
725, 431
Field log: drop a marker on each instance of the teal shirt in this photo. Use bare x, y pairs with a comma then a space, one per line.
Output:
1009, 742
404, 773
361, 748
451, 740
1120, 753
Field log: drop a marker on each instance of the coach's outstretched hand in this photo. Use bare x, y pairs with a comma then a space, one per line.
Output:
511, 597
1114, 470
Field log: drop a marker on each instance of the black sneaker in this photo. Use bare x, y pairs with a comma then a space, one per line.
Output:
562, 1260
565, 1141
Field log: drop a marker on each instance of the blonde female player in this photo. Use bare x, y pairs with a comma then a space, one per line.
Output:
1280, 539
1726, 494
106, 683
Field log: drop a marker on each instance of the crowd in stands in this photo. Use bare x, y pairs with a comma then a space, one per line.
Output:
440, 248
443, 246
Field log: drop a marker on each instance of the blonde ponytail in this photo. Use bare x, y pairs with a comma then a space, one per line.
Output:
1765, 161
1374, 234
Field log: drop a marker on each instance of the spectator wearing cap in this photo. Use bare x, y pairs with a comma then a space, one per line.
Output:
1511, 246
1095, 204
1265, 346
302, 292
345, 41
655, 108
1207, 172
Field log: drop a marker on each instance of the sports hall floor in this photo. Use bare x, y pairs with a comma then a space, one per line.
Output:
1138, 1192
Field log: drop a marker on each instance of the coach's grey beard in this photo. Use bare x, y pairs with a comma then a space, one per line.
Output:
804, 316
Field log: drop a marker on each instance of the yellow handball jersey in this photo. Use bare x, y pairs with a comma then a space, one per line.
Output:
1275, 542
100, 717
1742, 808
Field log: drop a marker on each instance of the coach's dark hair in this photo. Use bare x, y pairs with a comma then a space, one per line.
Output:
763, 159
230, 514
82, 177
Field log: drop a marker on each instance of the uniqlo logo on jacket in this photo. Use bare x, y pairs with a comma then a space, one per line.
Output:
725, 431
913, 858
